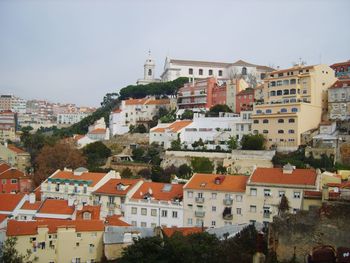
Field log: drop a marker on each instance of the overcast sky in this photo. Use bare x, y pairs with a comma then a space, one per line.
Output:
77, 51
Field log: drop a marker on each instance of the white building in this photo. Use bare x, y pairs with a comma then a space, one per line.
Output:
148, 72
15, 104
71, 118
97, 132
155, 204
134, 112
175, 68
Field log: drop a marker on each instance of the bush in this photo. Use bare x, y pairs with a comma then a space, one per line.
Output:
253, 142
202, 165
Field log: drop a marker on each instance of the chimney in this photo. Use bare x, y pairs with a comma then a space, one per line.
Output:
288, 168
79, 206
70, 201
31, 198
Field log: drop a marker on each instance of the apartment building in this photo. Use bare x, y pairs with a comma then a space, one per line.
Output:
15, 156
71, 118
135, 112
59, 240
266, 186
214, 200
13, 180
291, 96
8, 126
245, 100
155, 204
233, 87
342, 69
339, 100
12, 103
77, 185
112, 194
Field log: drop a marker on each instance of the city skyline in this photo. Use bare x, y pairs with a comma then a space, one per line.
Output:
76, 52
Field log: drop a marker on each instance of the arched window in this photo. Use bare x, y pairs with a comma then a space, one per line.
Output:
256, 121
279, 92
273, 93
280, 120
280, 131
87, 215
265, 131
293, 81
294, 110
258, 112
291, 120
291, 131
268, 111
244, 71
286, 92
150, 72
283, 110
265, 121
293, 91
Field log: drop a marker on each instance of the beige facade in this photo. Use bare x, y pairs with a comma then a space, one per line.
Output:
291, 97
15, 157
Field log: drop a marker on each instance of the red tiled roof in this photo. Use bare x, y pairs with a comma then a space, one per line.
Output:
4, 167
93, 209
15, 149
340, 64
340, 83
157, 102
110, 187
23, 228
117, 111
169, 231
248, 91
2, 218
86, 176
115, 220
37, 193
228, 183
276, 176
173, 127
13, 173
135, 101
313, 194
55, 206
28, 206
158, 193
98, 131
78, 137
8, 202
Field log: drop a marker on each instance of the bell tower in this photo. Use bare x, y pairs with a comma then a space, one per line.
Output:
149, 68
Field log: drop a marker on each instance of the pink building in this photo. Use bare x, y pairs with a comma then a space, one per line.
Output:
203, 94
245, 100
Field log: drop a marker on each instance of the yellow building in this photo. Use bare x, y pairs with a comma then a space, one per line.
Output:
59, 241
15, 156
295, 100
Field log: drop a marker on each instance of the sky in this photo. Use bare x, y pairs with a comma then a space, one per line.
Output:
76, 51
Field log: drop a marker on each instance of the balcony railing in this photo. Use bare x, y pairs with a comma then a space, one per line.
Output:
200, 200
228, 201
227, 216
199, 213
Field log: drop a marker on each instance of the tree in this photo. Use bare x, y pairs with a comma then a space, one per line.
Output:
187, 115
184, 171
145, 173
253, 142
176, 145
283, 206
58, 156
138, 129
153, 155
232, 143
157, 173
137, 154
126, 173
221, 169
96, 154
202, 165
9, 254
216, 109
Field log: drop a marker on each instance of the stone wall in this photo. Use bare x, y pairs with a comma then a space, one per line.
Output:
328, 225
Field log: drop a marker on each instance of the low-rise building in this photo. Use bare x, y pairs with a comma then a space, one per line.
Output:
212, 200
113, 193
8, 126
339, 100
96, 132
71, 117
342, 69
266, 186
155, 204
15, 156
14, 181
245, 100
10, 204
59, 240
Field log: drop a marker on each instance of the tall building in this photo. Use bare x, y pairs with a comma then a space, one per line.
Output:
12, 103
8, 125
342, 69
148, 72
291, 97
175, 68
339, 100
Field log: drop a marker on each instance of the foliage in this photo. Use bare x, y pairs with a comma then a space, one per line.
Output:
126, 173
253, 142
153, 154
232, 143
169, 117
184, 171
9, 254
176, 145
283, 206
96, 154
58, 156
145, 173
158, 175
137, 154
187, 115
138, 129
221, 169
216, 109
202, 165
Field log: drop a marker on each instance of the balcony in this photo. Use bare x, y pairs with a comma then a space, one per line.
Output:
227, 216
266, 215
111, 205
200, 200
199, 213
227, 201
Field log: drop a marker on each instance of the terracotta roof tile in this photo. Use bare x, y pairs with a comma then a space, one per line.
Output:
159, 191
28, 206
227, 183
115, 220
340, 83
15, 149
341, 64
117, 111
173, 127
135, 101
86, 176
4, 167
111, 186
157, 102
93, 209
13, 174
55, 206
185, 231
8, 202
22, 228
2, 218
276, 176
313, 194
98, 131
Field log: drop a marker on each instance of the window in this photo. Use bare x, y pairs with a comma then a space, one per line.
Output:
281, 193
273, 93
153, 212
164, 213
174, 214
252, 209
213, 223
265, 131
75, 189
190, 71
239, 198
279, 83
200, 195
213, 208
267, 192
149, 72
293, 81
153, 225
134, 223
189, 221
111, 199
144, 211
268, 111
239, 211
280, 121
91, 248
273, 84
265, 121
291, 131
78, 234
279, 92
293, 91
13, 181
143, 224
294, 110
3, 181
210, 72
258, 112
286, 82
220, 73
256, 121
280, 131
200, 71
86, 215
134, 210
189, 194
291, 120
213, 195
262, 75
283, 110
253, 191
244, 71
296, 195
85, 189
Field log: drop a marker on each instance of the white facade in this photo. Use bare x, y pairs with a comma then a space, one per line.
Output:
152, 213
71, 118
148, 72
174, 68
15, 104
